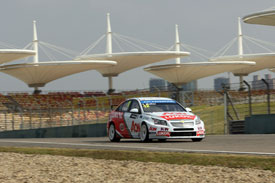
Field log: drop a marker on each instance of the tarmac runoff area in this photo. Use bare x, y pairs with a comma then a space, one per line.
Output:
221, 144
18, 168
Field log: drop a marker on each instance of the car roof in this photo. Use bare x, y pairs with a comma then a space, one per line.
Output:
152, 98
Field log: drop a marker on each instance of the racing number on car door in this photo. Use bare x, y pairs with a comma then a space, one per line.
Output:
133, 119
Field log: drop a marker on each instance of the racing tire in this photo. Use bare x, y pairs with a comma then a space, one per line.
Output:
112, 133
144, 134
197, 139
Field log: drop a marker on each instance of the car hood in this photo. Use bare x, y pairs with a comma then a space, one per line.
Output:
173, 115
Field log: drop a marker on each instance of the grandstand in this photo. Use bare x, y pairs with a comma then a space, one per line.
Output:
26, 111
54, 109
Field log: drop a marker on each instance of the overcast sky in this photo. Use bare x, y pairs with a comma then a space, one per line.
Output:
208, 24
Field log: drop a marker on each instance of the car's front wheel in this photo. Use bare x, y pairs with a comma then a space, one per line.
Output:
112, 134
144, 134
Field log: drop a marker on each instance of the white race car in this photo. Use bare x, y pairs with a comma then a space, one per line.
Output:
154, 118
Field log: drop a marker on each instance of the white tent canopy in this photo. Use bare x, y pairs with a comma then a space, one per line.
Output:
263, 61
8, 55
185, 72
130, 60
41, 73
261, 18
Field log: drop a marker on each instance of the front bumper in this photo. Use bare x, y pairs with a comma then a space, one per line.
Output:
165, 132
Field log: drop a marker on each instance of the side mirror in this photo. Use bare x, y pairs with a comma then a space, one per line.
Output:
188, 109
134, 110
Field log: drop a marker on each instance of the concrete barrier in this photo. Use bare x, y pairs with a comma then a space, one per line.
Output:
89, 130
236, 127
260, 124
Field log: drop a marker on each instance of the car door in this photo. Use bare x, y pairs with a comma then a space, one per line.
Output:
133, 119
118, 117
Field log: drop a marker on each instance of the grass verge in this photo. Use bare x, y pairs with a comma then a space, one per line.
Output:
231, 161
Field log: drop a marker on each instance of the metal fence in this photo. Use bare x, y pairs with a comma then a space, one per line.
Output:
26, 111
252, 98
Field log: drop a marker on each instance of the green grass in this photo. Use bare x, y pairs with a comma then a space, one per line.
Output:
213, 116
231, 161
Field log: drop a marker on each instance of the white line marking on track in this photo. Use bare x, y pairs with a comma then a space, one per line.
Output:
145, 148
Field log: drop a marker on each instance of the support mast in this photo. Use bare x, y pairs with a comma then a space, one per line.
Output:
240, 50
177, 43
240, 38
35, 48
109, 50
109, 36
35, 43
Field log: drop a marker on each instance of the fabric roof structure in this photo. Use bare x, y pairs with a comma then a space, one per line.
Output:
185, 72
262, 18
130, 60
8, 55
263, 61
41, 73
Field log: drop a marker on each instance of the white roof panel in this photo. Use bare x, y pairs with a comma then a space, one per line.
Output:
186, 72
39, 74
130, 60
8, 55
263, 61
261, 18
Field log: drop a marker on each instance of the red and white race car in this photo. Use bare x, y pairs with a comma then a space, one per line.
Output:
154, 118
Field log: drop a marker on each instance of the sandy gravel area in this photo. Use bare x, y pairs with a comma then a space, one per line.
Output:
21, 168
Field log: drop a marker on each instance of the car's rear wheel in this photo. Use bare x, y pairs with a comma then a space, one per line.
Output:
197, 139
112, 134
144, 135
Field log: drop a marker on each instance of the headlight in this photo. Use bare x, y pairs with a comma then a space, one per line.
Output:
159, 122
198, 120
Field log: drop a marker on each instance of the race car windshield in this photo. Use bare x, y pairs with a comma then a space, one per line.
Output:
161, 106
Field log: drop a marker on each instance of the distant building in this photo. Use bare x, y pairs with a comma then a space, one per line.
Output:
161, 84
267, 76
191, 86
171, 87
258, 84
157, 84
270, 81
220, 82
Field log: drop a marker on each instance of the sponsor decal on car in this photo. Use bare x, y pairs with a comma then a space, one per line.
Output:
121, 127
156, 101
135, 127
163, 133
200, 132
152, 129
171, 115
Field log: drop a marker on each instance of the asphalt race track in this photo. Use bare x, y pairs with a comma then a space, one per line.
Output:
227, 144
